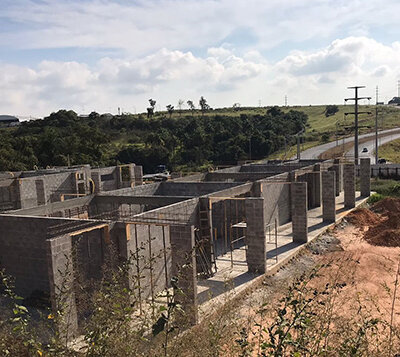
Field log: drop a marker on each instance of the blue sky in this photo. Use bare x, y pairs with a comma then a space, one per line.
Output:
101, 55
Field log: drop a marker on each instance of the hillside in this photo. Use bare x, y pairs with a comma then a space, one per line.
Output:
185, 141
391, 151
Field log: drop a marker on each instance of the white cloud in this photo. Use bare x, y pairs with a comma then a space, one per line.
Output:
225, 50
114, 82
144, 26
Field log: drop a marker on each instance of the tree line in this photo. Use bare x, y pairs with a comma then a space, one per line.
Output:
183, 142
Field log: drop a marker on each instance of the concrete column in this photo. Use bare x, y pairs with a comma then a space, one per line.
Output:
349, 186
299, 212
328, 196
337, 168
339, 176
255, 235
138, 170
317, 183
365, 176
96, 177
183, 257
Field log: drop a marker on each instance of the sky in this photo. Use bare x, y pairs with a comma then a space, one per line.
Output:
98, 55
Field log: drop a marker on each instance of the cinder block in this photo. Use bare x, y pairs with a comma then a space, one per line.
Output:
365, 176
299, 212
255, 235
183, 257
349, 185
328, 196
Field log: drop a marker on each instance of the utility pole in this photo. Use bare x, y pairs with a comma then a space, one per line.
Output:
356, 112
376, 128
285, 100
398, 88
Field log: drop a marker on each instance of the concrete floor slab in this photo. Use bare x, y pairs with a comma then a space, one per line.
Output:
232, 276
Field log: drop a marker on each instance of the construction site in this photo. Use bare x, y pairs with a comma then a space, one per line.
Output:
237, 224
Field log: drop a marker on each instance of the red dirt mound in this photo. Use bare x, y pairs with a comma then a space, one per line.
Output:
382, 223
387, 205
363, 217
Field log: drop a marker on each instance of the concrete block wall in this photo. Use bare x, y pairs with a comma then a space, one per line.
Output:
105, 179
138, 175
23, 249
59, 264
256, 254
184, 267
237, 176
349, 185
27, 193
337, 168
232, 206
277, 169
328, 196
365, 176
23, 252
34, 188
277, 202
56, 209
82, 257
234, 212
9, 197
185, 212
313, 180
143, 190
299, 212
193, 189
149, 249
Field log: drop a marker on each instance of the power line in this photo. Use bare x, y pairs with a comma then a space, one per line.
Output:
285, 100
398, 88
356, 113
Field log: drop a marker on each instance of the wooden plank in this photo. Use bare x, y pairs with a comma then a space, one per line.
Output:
100, 226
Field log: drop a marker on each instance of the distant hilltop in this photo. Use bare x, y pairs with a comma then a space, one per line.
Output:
9, 120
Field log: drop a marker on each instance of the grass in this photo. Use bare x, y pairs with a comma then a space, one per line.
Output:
388, 117
391, 151
383, 189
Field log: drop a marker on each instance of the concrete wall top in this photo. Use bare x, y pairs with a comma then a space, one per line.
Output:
176, 214
50, 208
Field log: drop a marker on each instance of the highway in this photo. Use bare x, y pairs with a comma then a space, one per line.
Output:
370, 145
314, 152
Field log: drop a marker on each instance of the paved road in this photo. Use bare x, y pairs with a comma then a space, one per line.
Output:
370, 145
314, 152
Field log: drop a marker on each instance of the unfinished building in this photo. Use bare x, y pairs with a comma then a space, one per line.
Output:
39, 187
244, 220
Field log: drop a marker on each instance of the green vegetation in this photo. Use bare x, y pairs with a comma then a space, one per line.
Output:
331, 110
322, 128
186, 142
391, 151
383, 189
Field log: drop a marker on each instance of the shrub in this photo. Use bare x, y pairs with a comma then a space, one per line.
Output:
375, 198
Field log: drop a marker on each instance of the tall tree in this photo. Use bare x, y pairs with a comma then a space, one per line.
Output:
203, 105
150, 110
170, 109
191, 106
180, 104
